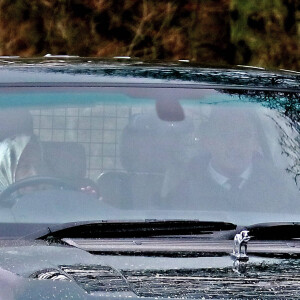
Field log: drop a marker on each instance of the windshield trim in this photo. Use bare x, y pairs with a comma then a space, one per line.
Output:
143, 85
134, 228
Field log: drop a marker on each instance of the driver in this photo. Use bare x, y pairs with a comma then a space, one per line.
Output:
20, 158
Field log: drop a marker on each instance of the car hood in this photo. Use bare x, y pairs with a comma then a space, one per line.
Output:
40, 271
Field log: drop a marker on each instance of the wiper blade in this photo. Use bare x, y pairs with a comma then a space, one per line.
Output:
274, 231
122, 229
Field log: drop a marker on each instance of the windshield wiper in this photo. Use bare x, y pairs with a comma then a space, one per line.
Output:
123, 229
274, 231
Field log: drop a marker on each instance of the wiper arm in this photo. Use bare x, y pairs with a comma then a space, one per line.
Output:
122, 229
274, 231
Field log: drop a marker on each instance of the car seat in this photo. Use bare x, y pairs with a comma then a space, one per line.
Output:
147, 148
66, 160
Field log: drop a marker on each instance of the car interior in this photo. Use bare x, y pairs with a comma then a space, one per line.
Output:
128, 155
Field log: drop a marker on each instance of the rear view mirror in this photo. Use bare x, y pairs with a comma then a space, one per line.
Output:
169, 110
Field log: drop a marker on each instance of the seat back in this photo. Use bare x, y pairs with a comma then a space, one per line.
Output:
147, 146
130, 190
65, 159
115, 189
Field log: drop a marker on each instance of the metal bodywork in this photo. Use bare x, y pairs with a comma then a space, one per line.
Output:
42, 269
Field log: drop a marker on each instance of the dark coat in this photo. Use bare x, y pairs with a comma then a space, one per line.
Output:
266, 190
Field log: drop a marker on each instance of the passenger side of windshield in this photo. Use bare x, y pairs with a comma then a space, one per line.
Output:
236, 170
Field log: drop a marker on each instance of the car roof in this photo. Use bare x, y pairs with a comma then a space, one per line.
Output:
60, 70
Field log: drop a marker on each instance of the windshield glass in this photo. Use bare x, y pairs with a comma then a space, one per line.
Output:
105, 154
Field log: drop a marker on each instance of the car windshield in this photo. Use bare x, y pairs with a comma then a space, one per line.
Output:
136, 153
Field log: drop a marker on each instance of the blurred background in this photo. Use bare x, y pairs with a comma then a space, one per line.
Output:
264, 33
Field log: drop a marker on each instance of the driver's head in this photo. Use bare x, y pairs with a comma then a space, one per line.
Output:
231, 139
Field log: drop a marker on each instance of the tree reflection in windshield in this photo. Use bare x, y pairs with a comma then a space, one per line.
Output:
286, 120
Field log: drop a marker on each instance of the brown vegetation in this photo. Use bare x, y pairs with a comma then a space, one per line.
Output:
262, 33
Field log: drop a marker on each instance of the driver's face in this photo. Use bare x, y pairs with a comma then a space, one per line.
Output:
231, 142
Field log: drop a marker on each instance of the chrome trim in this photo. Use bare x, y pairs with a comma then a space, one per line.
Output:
240, 246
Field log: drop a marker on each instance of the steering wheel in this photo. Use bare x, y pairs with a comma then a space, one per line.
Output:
37, 180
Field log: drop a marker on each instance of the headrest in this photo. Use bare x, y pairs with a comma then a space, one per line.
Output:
150, 123
147, 142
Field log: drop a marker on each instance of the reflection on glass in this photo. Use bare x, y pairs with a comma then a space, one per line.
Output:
231, 153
